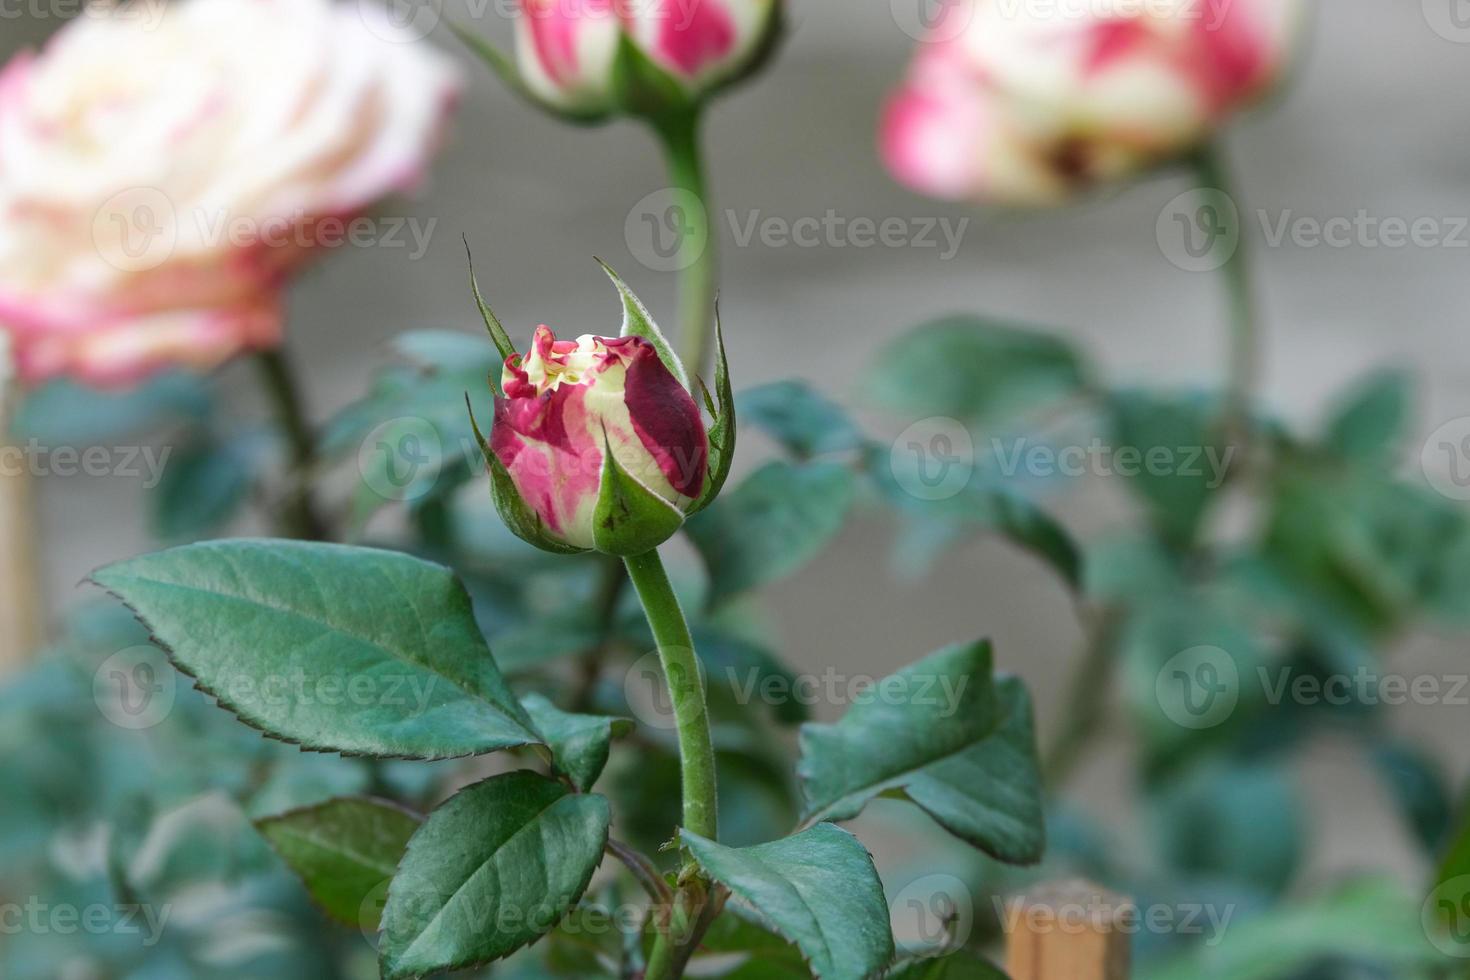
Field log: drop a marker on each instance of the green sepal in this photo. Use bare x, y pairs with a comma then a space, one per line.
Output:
722, 432
493, 325
630, 519
505, 69
641, 88
637, 321
523, 522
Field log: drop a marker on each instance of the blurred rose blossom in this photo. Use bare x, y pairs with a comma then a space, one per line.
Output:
162, 178
1028, 103
568, 49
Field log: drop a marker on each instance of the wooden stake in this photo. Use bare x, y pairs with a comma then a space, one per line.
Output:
21, 613
1071, 930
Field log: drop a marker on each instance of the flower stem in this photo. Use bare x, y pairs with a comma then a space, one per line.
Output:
299, 516
1244, 365
686, 689
698, 256
696, 757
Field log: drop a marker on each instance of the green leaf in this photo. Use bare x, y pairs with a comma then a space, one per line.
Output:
1378, 551
337, 649
973, 369
579, 743
1172, 451
345, 851
203, 487
780, 518
1456, 863
1371, 920
1237, 822
409, 438
722, 432
800, 419
962, 965
445, 350
68, 413
630, 519
818, 889
1027, 526
491, 870
637, 321
1418, 787
941, 733
1371, 421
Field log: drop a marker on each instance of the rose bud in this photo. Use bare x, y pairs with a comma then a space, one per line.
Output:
1030, 104
166, 169
598, 444
589, 58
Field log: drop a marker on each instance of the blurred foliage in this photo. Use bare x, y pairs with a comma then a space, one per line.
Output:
1335, 559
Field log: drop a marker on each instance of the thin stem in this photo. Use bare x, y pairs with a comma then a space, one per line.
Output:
299, 516
1086, 705
698, 258
642, 869
1245, 342
696, 756
686, 689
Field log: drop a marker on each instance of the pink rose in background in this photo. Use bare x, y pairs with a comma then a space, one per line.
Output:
162, 176
1029, 103
565, 402
568, 48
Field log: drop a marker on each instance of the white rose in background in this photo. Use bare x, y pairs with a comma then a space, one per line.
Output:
162, 178
1030, 103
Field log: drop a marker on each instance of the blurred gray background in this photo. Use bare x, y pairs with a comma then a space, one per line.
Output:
1376, 120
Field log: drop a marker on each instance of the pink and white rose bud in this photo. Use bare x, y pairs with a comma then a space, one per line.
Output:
566, 403
568, 49
162, 176
1030, 103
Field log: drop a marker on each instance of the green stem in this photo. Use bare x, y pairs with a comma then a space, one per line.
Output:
1244, 364
299, 516
686, 689
1086, 704
699, 250
696, 756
